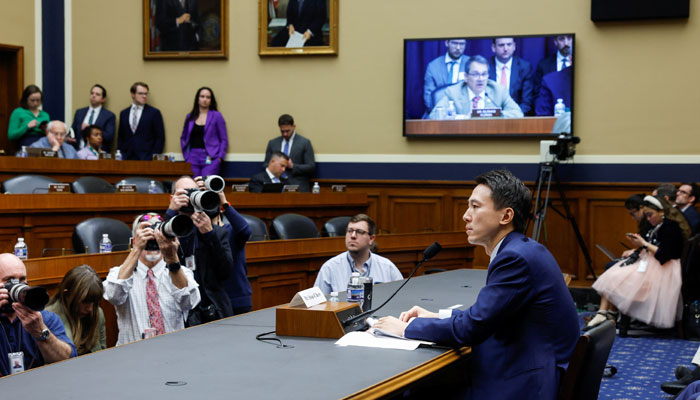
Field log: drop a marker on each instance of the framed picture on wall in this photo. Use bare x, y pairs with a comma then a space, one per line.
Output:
298, 27
181, 29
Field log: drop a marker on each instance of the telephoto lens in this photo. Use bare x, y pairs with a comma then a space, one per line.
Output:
215, 183
177, 226
203, 200
34, 297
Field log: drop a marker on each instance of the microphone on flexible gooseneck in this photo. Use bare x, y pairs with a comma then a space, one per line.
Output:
357, 322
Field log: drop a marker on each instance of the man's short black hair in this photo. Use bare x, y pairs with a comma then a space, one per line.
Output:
279, 154
371, 226
104, 91
136, 85
667, 190
285, 119
508, 191
694, 191
635, 202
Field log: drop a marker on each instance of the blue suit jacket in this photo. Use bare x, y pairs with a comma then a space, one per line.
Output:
555, 85
105, 120
522, 83
691, 214
148, 139
522, 328
436, 77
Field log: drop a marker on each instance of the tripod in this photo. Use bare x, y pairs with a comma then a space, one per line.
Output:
547, 171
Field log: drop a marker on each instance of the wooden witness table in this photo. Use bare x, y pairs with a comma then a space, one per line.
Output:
481, 126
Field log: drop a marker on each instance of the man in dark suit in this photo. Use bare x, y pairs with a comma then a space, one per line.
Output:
141, 130
302, 162
557, 61
686, 197
178, 24
523, 326
555, 85
444, 71
272, 174
95, 114
513, 73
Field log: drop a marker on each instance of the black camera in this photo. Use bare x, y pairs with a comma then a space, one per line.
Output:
34, 297
565, 147
177, 226
215, 183
201, 200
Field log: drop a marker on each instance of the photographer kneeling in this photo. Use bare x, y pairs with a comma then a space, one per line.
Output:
30, 338
150, 292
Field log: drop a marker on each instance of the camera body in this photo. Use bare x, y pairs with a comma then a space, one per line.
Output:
177, 226
34, 297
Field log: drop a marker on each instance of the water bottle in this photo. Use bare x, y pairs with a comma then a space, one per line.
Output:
118, 155
105, 244
21, 249
356, 289
334, 297
152, 188
451, 110
316, 189
171, 157
23, 152
559, 108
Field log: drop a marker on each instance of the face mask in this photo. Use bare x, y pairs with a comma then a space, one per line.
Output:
153, 256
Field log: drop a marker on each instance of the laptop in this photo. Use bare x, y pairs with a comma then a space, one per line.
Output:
272, 187
607, 252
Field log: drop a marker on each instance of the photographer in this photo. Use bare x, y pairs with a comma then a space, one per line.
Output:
150, 292
206, 252
29, 338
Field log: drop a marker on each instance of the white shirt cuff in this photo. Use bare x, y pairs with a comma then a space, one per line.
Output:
444, 313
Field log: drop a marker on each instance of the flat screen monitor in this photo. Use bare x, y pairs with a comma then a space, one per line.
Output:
500, 86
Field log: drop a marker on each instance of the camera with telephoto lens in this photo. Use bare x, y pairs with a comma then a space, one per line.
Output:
177, 226
201, 201
215, 183
34, 297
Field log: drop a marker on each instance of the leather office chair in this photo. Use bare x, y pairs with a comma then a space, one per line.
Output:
335, 226
89, 233
293, 226
28, 184
142, 183
91, 184
258, 229
581, 381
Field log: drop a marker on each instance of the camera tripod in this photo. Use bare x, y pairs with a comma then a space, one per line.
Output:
547, 171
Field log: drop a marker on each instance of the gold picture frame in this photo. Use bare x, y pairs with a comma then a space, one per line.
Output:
274, 29
202, 33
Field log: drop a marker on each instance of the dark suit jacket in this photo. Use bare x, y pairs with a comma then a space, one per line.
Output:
522, 328
301, 154
522, 82
312, 16
555, 85
148, 139
544, 67
261, 178
105, 120
172, 36
691, 214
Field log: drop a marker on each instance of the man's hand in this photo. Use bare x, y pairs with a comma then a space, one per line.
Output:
83, 126
143, 234
291, 30
290, 164
168, 248
391, 325
32, 124
4, 296
183, 18
179, 199
31, 320
307, 35
200, 182
55, 145
202, 222
417, 312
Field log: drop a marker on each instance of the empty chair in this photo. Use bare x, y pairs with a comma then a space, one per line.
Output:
89, 233
91, 184
258, 229
28, 184
293, 226
142, 183
335, 226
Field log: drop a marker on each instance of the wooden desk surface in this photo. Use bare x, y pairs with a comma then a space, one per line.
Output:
481, 126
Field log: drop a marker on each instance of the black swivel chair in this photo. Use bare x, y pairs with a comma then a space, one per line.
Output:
142, 183
258, 229
335, 227
582, 379
91, 184
28, 184
89, 233
293, 226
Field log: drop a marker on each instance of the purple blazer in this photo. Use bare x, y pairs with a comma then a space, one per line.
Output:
215, 136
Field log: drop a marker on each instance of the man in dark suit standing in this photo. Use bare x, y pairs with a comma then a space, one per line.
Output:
95, 114
272, 174
686, 197
444, 71
523, 327
557, 61
141, 130
178, 24
302, 162
513, 73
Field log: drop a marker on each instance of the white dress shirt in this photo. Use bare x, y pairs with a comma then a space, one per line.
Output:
559, 60
86, 120
455, 69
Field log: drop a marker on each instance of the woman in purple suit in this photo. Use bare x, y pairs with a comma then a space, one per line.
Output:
204, 139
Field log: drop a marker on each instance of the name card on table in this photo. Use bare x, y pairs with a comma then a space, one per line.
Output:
486, 112
160, 157
290, 188
338, 188
59, 188
309, 297
125, 188
105, 156
239, 188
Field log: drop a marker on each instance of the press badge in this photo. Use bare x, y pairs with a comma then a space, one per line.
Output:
16, 362
643, 265
190, 263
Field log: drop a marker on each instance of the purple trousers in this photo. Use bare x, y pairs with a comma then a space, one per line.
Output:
198, 159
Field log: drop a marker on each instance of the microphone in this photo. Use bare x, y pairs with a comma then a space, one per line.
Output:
353, 323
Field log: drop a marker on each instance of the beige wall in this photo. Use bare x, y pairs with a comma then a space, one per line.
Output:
17, 29
627, 101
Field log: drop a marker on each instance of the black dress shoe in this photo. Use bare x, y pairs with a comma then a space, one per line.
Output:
681, 371
678, 385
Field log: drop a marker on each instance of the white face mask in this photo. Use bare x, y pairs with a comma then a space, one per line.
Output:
153, 256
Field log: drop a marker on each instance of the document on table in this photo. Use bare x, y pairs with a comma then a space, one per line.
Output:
296, 40
379, 340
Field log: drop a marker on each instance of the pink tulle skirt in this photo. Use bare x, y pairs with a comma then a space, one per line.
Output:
652, 296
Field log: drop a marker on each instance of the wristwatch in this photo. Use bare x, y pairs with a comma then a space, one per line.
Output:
174, 267
44, 335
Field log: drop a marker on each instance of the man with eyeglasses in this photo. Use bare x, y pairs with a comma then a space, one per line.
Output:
141, 130
55, 140
445, 70
359, 239
686, 196
478, 92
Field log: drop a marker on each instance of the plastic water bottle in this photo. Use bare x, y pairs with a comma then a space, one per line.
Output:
559, 108
23, 152
105, 244
118, 155
152, 188
171, 157
316, 189
356, 289
451, 110
21, 249
334, 297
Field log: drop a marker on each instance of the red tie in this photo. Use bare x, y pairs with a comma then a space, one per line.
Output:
504, 77
154, 315
475, 102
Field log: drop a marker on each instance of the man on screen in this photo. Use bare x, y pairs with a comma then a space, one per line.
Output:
444, 70
513, 73
557, 61
477, 92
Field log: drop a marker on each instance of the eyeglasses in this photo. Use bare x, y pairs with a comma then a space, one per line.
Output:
59, 134
350, 231
683, 192
150, 216
479, 74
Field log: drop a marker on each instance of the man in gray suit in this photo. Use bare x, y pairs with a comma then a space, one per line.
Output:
302, 163
444, 70
477, 91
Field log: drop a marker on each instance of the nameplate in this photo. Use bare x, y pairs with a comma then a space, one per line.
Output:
48, 153
126, 188
486, 112
106, 156
290, 188
59, 187
239, 188
338, 188
160, 157
308, 298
